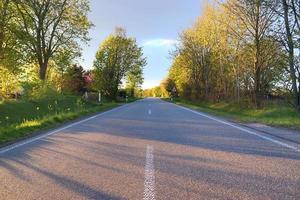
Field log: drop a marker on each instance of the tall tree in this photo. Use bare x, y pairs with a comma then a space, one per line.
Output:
10, 55
291, 16
49, 26
117, 58
3, 23
230, 51
257, 16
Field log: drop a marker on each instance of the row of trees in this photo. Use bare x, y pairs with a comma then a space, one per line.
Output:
242, 50
40, 43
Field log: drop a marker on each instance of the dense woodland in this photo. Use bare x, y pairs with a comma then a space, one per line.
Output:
243, 51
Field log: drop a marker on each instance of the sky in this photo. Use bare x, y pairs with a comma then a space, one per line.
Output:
154, 23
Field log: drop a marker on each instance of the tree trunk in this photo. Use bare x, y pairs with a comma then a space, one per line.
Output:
258, 96
43, 70
257, 79
1, 42
290, 43
3, 15
237, 88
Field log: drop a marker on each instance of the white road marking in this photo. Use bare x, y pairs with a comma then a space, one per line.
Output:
242, 129
149, 112
14, 146
149, 183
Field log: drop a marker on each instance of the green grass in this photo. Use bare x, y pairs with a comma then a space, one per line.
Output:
19, 119
274, 114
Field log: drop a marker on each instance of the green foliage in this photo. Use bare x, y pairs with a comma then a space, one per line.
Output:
119, 57
49, 28
43, 91
39, 40
134, 80
158, 91
9, 84
219, 59
10, 54
169, 86
73, 80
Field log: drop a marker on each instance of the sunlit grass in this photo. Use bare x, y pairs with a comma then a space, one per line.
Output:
19, 119
277, 114
32, 123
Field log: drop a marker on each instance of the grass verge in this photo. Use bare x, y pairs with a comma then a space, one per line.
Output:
20, 119
274, 114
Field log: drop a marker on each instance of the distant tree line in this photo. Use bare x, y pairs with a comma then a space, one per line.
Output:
240, 50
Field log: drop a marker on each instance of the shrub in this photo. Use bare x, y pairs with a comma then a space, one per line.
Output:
40, 90
9, 84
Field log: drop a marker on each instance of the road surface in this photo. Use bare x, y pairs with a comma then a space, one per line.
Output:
151, 149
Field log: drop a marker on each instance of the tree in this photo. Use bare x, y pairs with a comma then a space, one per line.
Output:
257, 16
202, 48
9, 83
180, 75
134, 80
169, 86
117, 58
50, 26
10, 56
230, 53
74, 80
3, 24
291, 18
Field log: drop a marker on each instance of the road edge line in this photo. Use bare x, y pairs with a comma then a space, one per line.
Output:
239, 128
30, 140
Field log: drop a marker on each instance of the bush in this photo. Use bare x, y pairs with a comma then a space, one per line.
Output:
9, 84
40, 90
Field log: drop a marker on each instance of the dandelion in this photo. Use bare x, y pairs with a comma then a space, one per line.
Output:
7, 118
68, 109
37, 108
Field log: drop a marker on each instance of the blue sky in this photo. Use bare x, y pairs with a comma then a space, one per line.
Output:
154, 23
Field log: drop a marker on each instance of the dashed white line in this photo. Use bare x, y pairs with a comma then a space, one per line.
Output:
149, 183
242, 129
149, 112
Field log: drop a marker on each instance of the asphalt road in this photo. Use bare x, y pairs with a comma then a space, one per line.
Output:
151, 149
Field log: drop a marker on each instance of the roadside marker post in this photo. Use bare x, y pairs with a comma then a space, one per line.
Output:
99, 97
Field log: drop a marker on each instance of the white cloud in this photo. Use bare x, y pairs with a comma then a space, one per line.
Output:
160, 43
